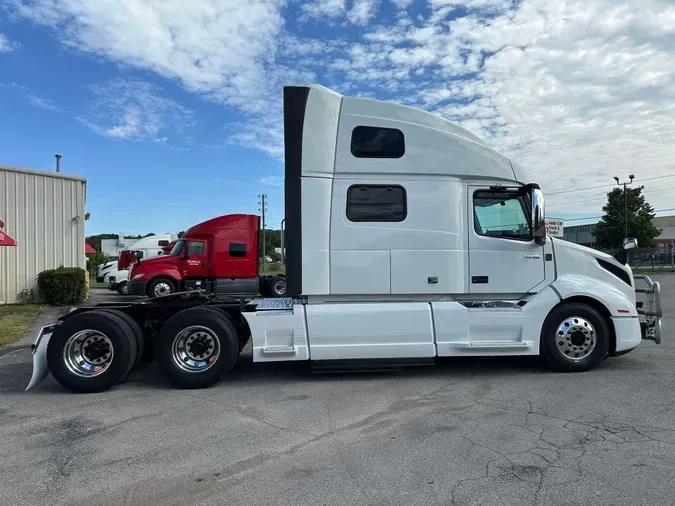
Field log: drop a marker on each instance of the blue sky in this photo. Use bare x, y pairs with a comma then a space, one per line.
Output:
172, 109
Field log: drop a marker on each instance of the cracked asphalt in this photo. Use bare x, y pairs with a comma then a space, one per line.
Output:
467, 432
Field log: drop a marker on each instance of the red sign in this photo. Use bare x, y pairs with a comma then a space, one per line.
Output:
5, 240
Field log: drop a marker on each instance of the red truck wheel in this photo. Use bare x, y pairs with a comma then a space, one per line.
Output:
161, 286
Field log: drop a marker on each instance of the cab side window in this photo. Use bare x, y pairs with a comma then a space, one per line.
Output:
501, 214
237, 250
194, 248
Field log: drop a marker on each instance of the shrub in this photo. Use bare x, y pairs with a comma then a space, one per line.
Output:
63, 286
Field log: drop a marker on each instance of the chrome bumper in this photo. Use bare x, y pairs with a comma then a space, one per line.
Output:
39, 351
651, 310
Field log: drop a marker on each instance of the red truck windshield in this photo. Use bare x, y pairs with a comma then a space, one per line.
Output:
177, 248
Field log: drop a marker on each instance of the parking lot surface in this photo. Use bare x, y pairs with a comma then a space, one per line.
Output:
467, 432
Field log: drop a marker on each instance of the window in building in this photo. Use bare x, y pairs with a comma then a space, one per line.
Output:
501, 214
377, 142
194, 248
237, 250
376, 203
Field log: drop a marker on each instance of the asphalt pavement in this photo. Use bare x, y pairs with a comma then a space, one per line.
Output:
467, 432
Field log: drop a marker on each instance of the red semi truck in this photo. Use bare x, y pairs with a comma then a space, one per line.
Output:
219, 256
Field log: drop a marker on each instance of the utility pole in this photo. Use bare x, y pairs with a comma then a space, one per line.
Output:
625, 201
262, 207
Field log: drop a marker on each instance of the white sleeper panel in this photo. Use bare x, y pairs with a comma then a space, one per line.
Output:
316, 235
411, 271
370, 330
451, 322
319, 134
360, 272
278, 335
495, 325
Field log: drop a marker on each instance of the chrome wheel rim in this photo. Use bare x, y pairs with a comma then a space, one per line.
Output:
162, 289
125, 289
196, 349
575, 338
280, 287
88, 353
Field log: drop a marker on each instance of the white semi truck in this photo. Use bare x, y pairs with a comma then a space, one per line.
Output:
407, 239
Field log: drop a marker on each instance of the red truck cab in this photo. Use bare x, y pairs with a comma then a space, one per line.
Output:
219, 255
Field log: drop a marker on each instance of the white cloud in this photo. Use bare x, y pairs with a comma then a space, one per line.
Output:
317, 9
6, 45
578, 90
362, 11
275, 181
135, 110
31, 97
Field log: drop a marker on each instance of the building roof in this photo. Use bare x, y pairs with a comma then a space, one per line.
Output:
61, 175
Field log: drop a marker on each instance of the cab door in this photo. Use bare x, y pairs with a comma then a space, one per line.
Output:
193, 260
503, 256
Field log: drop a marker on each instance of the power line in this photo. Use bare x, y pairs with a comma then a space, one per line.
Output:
598, 217
604, 197
606, 185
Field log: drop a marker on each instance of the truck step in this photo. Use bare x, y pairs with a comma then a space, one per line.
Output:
497, 344
369, 365
278, 350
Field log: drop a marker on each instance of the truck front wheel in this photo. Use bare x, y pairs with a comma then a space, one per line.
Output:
92, 351
196, 347
575, 337
161, 286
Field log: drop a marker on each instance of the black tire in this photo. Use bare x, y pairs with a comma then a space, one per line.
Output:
221, 329
152, 286
135, 329
277, 286
123, 288
115, 329
553, 340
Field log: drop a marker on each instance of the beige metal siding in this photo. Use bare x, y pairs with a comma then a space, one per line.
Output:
44, 212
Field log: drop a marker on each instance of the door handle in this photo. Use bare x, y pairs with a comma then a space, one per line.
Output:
203, 265
479, 279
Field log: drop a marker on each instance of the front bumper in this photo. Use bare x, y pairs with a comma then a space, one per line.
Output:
138, 287
99, 279
650, 309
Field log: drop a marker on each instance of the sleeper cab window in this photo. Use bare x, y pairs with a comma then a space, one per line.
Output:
194, 248
377, 142
501, 214
237, 250
376, 203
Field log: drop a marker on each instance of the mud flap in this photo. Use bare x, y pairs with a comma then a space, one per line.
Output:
39, 350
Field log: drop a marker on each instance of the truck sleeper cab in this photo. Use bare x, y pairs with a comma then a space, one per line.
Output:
407, 239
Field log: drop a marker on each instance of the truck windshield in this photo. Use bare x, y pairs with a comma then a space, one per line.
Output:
177, 248
501, 214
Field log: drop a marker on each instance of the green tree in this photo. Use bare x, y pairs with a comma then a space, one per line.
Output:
612, 227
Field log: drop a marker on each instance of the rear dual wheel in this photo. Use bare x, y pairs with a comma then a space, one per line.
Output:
93, 351
196, 347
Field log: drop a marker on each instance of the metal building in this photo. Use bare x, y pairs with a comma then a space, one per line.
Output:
44, 213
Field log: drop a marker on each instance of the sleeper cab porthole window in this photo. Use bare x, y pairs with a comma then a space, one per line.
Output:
376, 202
377, 142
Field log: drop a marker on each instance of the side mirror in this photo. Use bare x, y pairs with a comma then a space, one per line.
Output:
630, 243
538, 216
